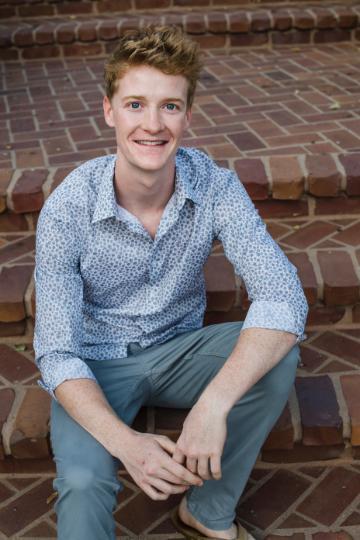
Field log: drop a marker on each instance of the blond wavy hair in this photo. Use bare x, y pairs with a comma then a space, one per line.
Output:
163, 47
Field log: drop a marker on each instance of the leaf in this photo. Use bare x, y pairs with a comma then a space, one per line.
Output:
335, 106
20, 347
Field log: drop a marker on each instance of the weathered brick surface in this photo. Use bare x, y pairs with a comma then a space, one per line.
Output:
341, 284
287, 177
14, 282
30, 427
323, 177
350, 387
220, 284
27, 195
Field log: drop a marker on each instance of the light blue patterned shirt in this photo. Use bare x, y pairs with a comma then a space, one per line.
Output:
103, 282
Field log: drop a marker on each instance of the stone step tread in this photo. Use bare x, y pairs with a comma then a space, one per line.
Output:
321, 419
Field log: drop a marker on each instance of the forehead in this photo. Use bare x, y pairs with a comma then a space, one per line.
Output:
151, 82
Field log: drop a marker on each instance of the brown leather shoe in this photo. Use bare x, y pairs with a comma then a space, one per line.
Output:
194, 534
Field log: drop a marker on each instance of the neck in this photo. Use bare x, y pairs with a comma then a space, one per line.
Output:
142, 191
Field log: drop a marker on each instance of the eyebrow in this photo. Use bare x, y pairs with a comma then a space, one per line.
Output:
144, 98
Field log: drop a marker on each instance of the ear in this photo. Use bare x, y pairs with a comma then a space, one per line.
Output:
188, 117
108, 112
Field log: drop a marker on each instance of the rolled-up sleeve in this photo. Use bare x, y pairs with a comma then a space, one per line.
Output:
59, 299
272, 283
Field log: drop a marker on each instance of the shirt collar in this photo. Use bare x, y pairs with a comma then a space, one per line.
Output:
106, 205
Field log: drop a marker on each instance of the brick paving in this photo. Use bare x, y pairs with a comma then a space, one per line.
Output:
293, 501
300, 103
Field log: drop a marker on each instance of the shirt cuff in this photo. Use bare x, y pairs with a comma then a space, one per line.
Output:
57, 368
274, 316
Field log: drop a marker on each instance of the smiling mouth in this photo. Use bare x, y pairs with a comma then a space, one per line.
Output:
151, 143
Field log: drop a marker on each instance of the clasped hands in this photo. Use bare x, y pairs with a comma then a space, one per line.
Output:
161, 467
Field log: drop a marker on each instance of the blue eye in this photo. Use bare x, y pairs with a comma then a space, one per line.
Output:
171, 106
134, 104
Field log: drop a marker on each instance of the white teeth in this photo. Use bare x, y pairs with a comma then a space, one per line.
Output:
151, 143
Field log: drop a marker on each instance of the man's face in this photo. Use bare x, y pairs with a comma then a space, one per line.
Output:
149, 114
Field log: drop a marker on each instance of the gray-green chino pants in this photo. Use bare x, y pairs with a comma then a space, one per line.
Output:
172, 374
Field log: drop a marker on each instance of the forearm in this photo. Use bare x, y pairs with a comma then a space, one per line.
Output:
256, 352
85, 402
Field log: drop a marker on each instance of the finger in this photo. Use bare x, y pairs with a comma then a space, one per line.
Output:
182, 472
178, 455
165, 487
191, 464
170, 477
203, 467
215, 466
166, 443
153, 494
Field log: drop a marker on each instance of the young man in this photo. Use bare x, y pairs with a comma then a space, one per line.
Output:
121, 245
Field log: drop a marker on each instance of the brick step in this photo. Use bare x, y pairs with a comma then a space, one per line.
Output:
269, 178
53, 8
321, 420
325, 251
94, 35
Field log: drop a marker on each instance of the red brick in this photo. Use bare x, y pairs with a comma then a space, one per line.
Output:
216, 41
12, 329
74, 8
332, 536
10, 222
302, 453
191, 3
324, 315
239, 22
14, 366
46, 51
66, 33
247, 40
272, 498
260, 21
22, 510
346, 18
7, 396
14, 282
108, 30
195, 23
252, 174
287, 177
303, 19
319, 410
350, 236
15, 249
306, 274
44, 34
150, 4
338, 345
339, 205
246, 140
324, 18
5, 177
29, 435
9, 54
341, 284
87, 31
350, 387
217, 22
278, 209
7, 12
282, 434
331, 496
323, 176
27, 195
39, 10
351, 164
79, 49
220, 283
104, 6
330, 36
282, 20
356, 313
5, 36
23, 36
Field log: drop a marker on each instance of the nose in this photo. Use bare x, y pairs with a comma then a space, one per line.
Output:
152, 120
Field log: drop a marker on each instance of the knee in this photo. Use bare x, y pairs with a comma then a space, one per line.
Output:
80, 478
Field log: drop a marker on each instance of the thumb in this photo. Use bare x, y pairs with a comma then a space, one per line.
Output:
166, 443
